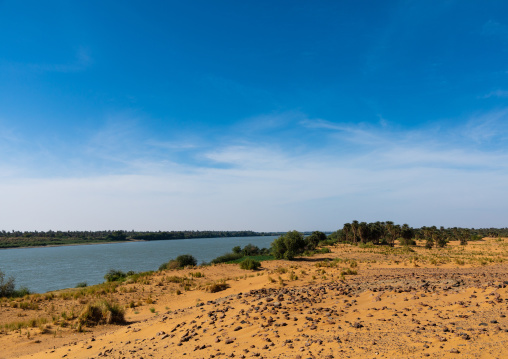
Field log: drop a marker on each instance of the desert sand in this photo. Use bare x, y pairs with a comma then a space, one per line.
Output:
351, 303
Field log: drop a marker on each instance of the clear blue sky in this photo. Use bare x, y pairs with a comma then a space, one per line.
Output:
263, 115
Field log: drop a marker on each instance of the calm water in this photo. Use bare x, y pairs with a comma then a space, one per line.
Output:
52, 268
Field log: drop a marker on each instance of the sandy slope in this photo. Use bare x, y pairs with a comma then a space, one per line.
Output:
395, 306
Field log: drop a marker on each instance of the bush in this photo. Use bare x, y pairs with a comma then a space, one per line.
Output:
228, 257
288, 246
441, 242
250, 264
102, 312
180, 262
115, 275
250, 250
217, 287
185, 260
6, 286
82, 285
406, 242
21, 292
327, 242
313, 240
172, 264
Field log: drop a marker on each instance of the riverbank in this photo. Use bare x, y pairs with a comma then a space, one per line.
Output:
353, 302
49, 239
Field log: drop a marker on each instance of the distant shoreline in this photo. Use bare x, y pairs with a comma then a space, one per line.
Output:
73, 244
48, 244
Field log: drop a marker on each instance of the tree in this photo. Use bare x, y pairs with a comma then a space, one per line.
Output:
288, 245
250, 250
407, 232
346, 229
313, 240
354, 229
363, 231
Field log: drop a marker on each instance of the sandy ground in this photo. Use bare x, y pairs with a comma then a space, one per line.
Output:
399, 304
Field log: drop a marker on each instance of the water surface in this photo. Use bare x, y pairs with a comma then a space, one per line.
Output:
50, 268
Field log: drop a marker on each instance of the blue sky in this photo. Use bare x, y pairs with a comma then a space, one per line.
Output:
262, 115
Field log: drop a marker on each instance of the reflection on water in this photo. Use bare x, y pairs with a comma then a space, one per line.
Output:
50, 268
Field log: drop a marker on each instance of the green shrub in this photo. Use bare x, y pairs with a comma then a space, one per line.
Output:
250, 250
441, 242
228, 257
313, 240
82, 285
6, 286
406, 241
172, 264
250, 264
181, 261
328, 242
185, 260
288, 246
115, 275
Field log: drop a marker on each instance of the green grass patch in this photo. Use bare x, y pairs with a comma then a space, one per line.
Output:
259, 258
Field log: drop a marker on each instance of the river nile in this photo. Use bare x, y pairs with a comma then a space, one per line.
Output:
50, 268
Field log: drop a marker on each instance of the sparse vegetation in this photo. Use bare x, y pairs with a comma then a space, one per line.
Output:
182, 261
250, 264
102, 312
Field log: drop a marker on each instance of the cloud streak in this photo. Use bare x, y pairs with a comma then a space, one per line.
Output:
405, 176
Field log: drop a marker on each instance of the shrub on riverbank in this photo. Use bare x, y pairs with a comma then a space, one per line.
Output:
182, 261
8, 288
238, 254
250, 264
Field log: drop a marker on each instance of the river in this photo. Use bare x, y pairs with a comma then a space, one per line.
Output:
45, 269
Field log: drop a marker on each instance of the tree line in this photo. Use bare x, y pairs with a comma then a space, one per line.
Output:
42, 238
388, 232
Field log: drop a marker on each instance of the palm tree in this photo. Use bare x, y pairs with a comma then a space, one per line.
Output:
354, 229
363, 230
347, 230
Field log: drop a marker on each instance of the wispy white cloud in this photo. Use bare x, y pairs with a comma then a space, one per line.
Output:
419, 177
487, 127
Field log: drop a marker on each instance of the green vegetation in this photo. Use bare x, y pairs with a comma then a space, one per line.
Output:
293, 244
386, 233
114, 275
250, 264
238, 254
8, 288
182, 261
